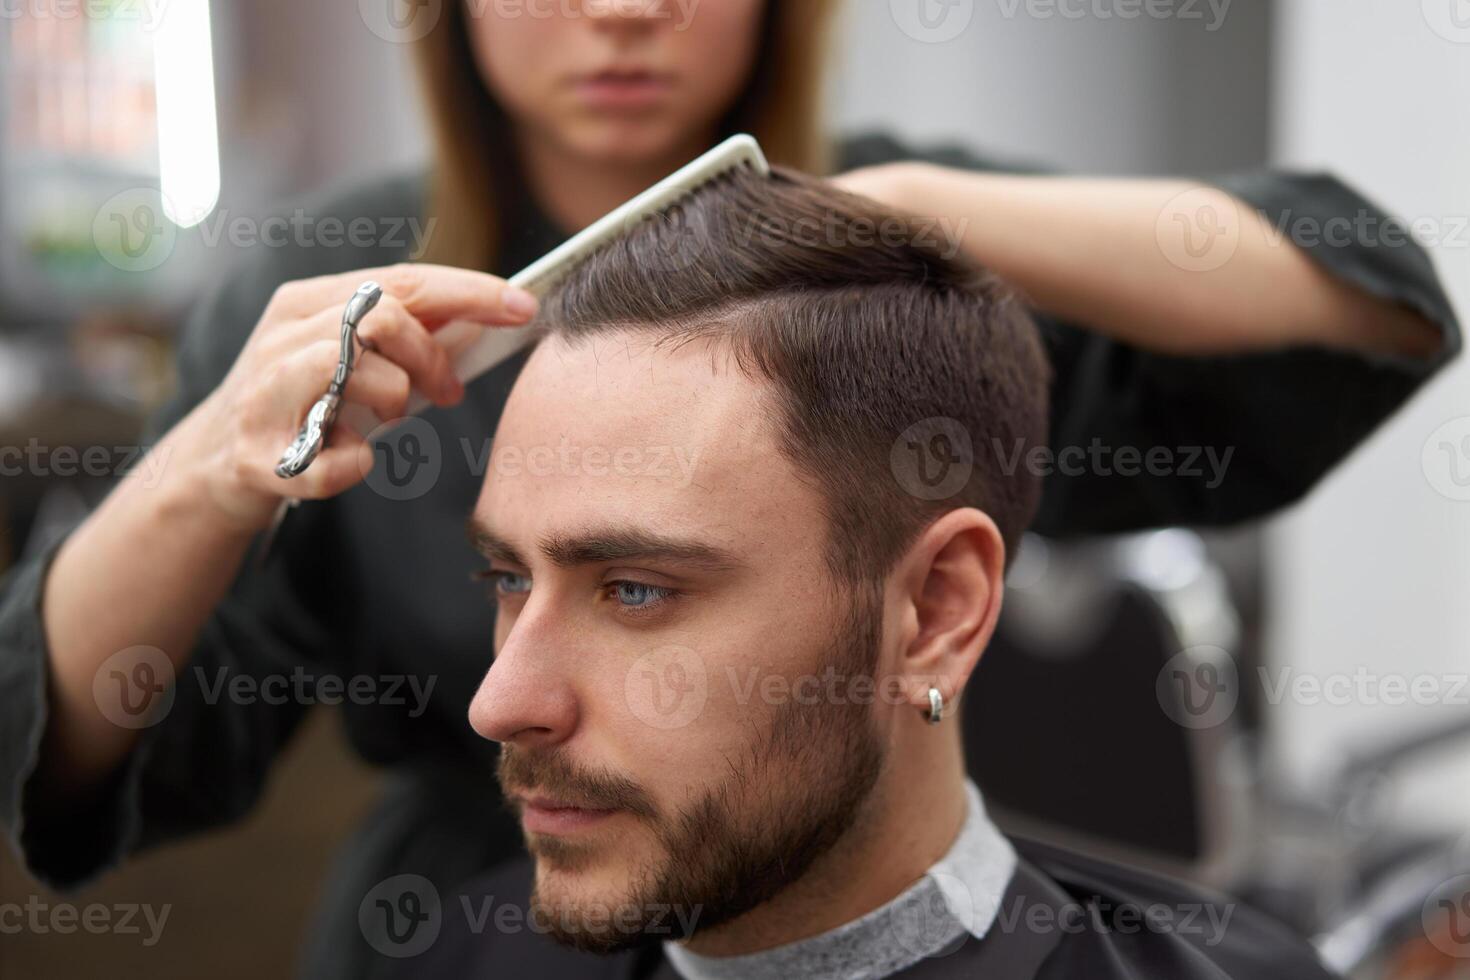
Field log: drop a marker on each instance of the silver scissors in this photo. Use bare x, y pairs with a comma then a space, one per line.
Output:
312, 438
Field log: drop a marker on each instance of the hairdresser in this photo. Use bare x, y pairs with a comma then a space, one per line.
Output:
1289, 355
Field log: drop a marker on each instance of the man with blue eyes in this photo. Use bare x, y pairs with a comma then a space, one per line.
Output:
725, 699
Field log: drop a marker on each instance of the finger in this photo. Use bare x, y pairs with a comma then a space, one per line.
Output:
344, 462
381, 385
297, 379
302, 378
391, 333
395, 333
435, 294
280, 407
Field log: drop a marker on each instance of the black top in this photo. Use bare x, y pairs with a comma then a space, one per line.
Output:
1063, 917
369, 587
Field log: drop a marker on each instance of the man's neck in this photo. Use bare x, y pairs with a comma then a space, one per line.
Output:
907, 825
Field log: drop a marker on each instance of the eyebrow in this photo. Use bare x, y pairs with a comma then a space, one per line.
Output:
597, 546
491, 545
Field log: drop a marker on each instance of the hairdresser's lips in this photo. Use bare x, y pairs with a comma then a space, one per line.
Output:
622, 90
543, 815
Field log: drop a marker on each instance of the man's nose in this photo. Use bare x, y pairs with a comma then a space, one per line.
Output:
524, 699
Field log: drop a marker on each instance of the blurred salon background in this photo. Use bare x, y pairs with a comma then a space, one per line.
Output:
1313, 804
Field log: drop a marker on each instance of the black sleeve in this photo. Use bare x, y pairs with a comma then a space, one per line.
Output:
205, 761
1144, 439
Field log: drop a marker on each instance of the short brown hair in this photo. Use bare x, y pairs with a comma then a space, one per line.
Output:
865, 326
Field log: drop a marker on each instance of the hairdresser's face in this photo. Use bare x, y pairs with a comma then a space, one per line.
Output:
616, 80
666, 624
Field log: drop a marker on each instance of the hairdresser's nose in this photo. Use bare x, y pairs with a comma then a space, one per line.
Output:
524, 698
624, 15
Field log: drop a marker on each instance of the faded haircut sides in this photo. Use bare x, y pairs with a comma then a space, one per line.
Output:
889, 357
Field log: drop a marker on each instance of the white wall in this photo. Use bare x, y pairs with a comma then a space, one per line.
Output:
1375, 569
1054, 81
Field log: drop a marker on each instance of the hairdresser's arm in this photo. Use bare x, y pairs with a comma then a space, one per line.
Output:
151, 564
1110, 255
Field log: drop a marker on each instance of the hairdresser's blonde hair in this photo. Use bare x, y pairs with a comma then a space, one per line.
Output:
472, 168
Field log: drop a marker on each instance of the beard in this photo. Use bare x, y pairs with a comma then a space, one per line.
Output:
797, 788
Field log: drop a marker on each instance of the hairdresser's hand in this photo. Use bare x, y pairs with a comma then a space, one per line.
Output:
1089, 252
891, 184
241, 429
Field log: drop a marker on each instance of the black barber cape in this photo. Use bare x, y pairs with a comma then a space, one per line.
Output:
1063, 917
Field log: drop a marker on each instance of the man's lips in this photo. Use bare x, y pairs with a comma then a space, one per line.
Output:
543, 815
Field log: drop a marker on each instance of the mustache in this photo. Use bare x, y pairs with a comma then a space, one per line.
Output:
531, 773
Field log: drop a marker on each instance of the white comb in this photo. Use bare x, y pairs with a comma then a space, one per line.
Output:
478, 348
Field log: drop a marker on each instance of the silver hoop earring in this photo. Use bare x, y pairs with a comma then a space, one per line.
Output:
936, 706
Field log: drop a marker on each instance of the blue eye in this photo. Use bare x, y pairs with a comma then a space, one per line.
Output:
510, 583
637, 595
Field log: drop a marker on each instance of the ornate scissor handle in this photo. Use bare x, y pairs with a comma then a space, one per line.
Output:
312, 438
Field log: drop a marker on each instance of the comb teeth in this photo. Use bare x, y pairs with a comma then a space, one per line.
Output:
493, 346
735, 152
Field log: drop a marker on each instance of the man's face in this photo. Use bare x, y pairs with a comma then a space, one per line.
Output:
665, 615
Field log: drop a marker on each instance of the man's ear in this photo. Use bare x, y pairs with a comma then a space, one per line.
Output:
951, 578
